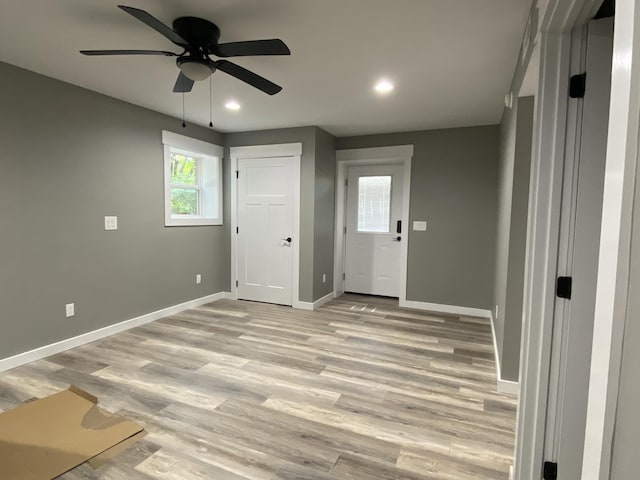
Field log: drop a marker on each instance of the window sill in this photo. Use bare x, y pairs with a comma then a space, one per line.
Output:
192, 222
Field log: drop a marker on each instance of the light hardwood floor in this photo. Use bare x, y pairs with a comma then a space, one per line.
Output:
359, 389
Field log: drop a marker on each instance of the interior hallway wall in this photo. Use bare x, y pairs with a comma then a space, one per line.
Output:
513, 205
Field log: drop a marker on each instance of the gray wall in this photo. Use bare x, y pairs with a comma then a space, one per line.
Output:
508, 323
313, 176
516, 133
69, 157
453, 187
505, 188
324, 217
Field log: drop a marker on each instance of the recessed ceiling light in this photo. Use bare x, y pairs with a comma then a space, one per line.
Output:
384, 86
232, 105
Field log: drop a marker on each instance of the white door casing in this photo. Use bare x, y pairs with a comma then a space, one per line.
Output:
373, 244
613, 287
571, 348
556, 20
265, 229
293, 151
399, 154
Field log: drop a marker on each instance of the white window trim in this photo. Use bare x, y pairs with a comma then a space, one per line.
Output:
170, 139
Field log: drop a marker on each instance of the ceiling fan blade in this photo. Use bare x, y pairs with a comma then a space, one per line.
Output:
127, 52
249, 77
252, 47
156, 24
183, 84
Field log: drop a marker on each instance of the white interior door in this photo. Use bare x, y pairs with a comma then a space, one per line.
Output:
265, 229
575, 342
374, 233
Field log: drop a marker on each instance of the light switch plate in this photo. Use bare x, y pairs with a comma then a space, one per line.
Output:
70, 309
420, 226
110, 223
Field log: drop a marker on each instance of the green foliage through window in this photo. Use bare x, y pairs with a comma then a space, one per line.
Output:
184, 169
184, 174
184, 201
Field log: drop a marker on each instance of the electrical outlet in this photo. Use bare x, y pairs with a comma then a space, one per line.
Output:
198, 279
70, 309
497, 311
324, 278
110, 223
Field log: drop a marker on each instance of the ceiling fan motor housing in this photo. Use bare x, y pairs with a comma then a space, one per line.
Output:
198, 32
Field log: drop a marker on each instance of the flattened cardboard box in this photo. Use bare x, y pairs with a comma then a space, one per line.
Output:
45, 438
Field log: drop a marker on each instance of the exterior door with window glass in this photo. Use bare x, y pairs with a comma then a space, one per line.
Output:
374, 233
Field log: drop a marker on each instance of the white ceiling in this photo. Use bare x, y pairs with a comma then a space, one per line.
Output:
451, 60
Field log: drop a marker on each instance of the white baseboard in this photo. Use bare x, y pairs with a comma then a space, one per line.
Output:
503, 386
315, 305
63, 345
321, 301
441, 308
508, 386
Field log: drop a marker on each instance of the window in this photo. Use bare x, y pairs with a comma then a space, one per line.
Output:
193, 181
374, 204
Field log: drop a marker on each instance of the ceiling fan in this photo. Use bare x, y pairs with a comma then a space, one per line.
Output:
199, 39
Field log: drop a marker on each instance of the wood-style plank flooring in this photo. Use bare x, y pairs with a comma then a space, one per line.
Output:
359, 389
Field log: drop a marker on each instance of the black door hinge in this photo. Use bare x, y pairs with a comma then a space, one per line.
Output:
563, 287
550, 471
577, 85
237, 174
236, 283
237, 229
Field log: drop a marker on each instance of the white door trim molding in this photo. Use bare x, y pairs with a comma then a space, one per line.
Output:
293, 150
400, 154
543, 231
612, 291
266, 151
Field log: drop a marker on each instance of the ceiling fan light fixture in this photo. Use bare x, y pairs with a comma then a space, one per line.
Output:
195, 69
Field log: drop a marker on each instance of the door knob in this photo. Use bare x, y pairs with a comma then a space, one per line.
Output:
397, 239
288, 239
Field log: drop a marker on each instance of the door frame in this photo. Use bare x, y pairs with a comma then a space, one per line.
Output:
294, 151
566, 262
553, 117
613, 294
393, 155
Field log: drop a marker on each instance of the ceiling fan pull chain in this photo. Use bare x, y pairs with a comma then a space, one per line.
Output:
211, 101
184, 125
